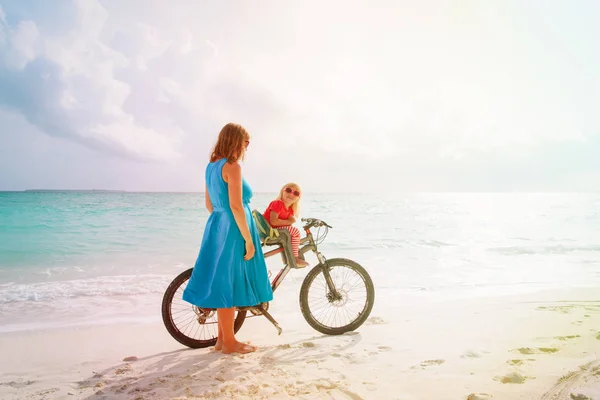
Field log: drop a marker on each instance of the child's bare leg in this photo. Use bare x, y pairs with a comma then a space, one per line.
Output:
229, 343
295, 234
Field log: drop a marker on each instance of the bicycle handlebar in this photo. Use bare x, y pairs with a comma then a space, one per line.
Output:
310, 222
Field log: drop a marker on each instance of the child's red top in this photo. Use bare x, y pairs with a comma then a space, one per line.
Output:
282, 211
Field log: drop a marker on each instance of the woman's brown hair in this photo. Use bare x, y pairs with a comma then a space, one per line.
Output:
231, 143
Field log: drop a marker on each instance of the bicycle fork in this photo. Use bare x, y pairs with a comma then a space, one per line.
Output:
333, 292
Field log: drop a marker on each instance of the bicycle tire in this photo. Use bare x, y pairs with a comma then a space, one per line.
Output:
167, 316
362, 315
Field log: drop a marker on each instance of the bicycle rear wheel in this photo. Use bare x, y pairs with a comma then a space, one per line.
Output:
190, 325
346, 308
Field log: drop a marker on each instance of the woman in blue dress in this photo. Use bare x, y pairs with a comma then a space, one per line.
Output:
229, 272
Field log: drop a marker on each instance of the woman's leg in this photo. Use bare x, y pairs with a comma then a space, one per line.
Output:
229, 343
219, 344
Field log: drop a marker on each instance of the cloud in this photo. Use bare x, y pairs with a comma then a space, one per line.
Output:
68, 86
134, 82
428, 93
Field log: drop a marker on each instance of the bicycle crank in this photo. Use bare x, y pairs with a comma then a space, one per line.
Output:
262, 309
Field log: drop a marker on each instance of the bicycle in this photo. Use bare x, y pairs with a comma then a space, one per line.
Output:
197, 319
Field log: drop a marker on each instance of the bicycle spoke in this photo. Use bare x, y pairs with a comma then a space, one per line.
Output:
342, 308
193, 322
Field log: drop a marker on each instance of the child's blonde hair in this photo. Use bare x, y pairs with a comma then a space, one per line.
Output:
296, 205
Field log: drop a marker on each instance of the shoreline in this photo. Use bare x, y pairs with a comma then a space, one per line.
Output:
543, 345
142, 308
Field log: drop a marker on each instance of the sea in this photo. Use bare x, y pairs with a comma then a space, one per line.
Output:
72, 258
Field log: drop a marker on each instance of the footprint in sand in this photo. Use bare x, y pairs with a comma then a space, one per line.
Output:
353, 358
568, 308
512, 377
560, 309
375, 321
17, 384
371, 352
479, 396
470, 354
517, 362
579, 397
308, 344
45, 392
548, 349
539, 350
429, 363
563, 338
370, 386
122, 370
267, 360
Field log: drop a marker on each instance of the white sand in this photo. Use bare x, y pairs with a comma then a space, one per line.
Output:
537, 346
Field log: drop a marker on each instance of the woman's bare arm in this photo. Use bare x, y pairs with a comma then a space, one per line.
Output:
233, 176
209, 205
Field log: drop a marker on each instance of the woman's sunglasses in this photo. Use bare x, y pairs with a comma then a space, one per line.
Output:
295, 192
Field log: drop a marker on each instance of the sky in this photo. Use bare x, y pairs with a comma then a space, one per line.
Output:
339, 96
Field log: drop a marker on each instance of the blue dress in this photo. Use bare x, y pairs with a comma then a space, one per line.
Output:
221, 277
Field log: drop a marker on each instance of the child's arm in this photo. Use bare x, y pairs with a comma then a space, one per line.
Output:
275, 221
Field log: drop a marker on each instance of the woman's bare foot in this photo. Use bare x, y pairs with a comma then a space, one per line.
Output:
237, 347
218, 345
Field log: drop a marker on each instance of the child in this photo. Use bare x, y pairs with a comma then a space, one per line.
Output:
282, 212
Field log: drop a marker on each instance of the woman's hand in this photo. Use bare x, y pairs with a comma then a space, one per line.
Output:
249, 250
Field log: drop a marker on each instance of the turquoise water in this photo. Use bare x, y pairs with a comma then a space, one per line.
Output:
66, 251
65, 229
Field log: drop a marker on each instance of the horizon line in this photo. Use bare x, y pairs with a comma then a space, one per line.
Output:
116, 191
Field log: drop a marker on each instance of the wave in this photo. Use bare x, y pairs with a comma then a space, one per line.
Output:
93, 287
397, 244
556, 249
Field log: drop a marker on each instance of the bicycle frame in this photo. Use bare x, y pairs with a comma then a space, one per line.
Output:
284, 248
307, 244
279, 245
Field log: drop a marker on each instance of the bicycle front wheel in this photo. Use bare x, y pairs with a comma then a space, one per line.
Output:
334, 312
190, 325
